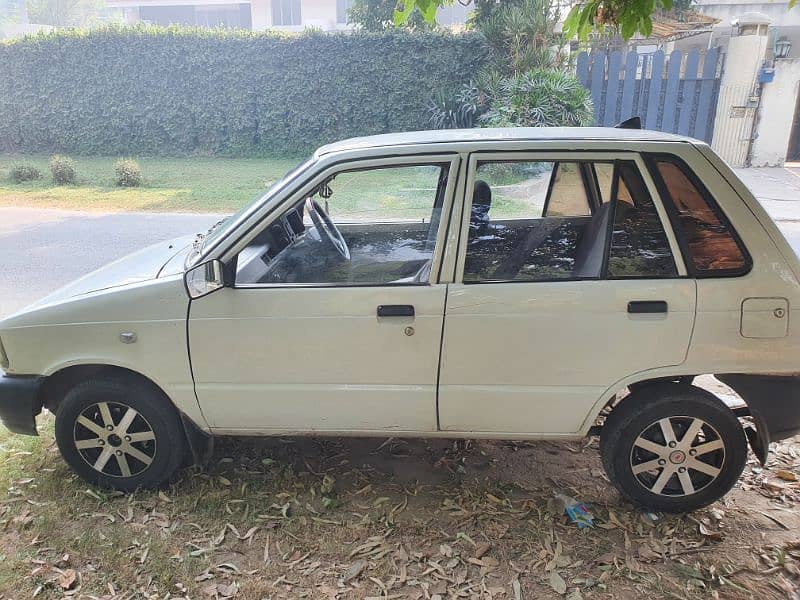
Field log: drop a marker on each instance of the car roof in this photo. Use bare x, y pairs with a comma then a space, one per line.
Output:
499, 134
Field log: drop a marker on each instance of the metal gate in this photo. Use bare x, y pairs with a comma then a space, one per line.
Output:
675, 93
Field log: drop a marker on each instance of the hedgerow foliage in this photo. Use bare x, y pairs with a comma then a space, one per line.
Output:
174, 91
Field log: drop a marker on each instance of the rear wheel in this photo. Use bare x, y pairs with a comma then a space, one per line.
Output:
120, 434
673, 448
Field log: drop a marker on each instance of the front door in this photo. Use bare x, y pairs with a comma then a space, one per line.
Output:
334, 323
569, 284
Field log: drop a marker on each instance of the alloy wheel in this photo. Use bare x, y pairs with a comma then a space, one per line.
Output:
114, 439
677, 456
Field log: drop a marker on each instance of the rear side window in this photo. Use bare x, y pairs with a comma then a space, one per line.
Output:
713, 247
639, 245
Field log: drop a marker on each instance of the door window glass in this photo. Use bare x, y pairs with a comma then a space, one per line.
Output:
639, 245
712, 246
567, 192
361, 227
534, 221
540, 221
604, 173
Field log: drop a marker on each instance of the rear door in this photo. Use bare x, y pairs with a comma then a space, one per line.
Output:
568, 283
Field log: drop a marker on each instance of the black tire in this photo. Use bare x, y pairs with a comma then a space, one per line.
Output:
124, 467
637, 420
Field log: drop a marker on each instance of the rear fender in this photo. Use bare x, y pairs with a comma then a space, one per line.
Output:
773, 402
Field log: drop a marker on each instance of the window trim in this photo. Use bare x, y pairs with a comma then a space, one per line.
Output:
651, 158
607, 156
448, 161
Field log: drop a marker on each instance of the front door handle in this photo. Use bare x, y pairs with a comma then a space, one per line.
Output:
395, 310
647, 306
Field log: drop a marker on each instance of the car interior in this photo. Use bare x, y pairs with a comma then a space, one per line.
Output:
569, 239
565, 239
291, 250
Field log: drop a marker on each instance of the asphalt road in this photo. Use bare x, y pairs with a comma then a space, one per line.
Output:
42, 250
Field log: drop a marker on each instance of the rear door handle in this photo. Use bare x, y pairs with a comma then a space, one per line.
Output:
647, 306
395, 310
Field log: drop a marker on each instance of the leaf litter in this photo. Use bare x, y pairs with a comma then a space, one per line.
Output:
305, 518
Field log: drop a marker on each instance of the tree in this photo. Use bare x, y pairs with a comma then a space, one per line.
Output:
378, 15
628, 17
62, 13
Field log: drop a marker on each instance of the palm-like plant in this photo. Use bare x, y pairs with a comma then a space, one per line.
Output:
456, 109
540, 98
522, 35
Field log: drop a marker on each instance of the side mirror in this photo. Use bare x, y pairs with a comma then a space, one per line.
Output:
203, 279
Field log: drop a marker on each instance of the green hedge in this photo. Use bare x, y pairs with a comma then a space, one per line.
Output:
175, 91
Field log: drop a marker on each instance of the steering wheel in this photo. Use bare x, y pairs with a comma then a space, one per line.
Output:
327, 229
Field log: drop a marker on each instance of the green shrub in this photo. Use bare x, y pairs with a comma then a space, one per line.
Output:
24, 172
216, 91
456, 109
541, 98
128, 173
63, 169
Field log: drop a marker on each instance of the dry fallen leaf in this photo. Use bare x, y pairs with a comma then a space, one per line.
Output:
785, 475
515, 585
67, 579
710, 534
647, 553
228, 591
557, 583
355, 570
482, 549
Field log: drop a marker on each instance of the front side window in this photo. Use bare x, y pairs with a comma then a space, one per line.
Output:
374, 226
709, 239
563, 220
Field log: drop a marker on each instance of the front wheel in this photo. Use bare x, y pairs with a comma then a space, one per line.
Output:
119, 434
673, 448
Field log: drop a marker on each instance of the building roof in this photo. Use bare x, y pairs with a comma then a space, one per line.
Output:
510, 134
674, 25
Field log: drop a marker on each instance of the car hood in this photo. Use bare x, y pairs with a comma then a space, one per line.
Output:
159, 260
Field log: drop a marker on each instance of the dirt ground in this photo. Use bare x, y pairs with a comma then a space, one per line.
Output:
376, 518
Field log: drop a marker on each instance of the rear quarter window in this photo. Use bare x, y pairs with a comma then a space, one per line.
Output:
711, 245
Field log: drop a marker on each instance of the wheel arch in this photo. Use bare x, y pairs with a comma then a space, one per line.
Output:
771, 420
634, 380
57, 384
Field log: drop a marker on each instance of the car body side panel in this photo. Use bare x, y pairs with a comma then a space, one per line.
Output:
718, 345
278, 359
534, 357
85, 330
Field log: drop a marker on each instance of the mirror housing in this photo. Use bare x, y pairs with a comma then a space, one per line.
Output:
204, 278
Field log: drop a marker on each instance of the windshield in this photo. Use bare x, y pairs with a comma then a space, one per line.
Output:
219, 229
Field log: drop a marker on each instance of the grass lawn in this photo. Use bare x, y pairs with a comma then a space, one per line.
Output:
223, 185
171, 184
